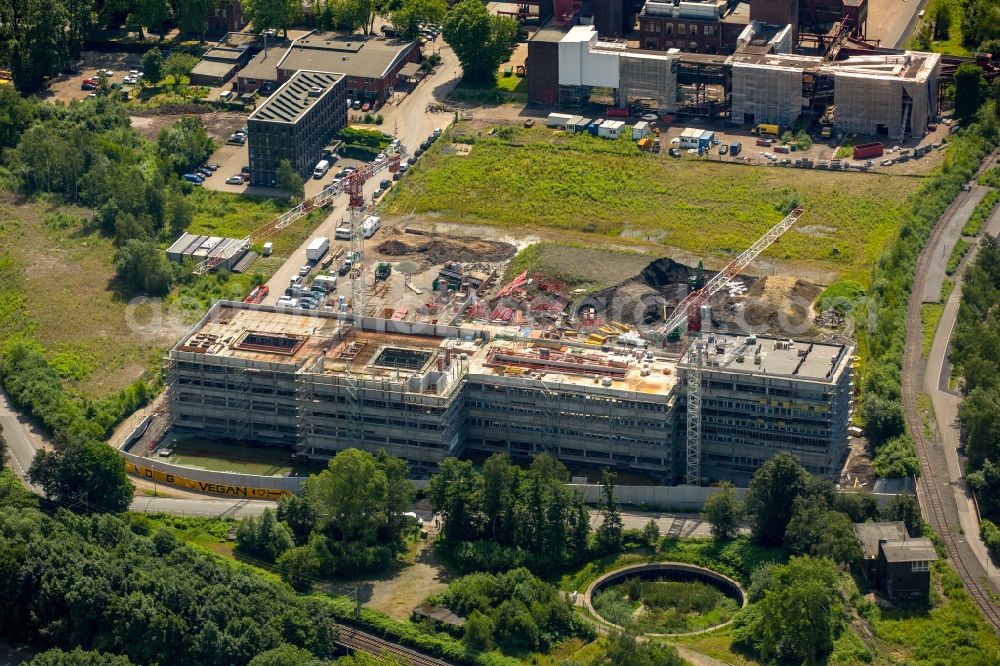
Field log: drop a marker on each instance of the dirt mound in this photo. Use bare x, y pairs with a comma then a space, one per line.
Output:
441, 250
779, 305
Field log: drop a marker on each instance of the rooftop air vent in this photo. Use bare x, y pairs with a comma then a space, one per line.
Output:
315, 91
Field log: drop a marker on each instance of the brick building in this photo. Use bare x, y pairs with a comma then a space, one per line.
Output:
226, 16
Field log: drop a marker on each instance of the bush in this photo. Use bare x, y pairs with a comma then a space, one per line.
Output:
897, 457
991, 535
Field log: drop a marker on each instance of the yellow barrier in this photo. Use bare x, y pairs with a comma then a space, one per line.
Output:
205, 486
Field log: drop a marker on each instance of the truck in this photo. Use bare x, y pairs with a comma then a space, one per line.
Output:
735, 147
317, 248
767, 129
383, 270
867, 150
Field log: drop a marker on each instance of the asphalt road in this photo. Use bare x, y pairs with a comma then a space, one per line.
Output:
222, 508
411, 123
937, 372
17, 432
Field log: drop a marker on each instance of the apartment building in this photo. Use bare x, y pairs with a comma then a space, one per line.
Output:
320, 382
296, 123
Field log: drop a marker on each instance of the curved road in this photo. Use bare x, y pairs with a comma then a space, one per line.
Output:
942, 493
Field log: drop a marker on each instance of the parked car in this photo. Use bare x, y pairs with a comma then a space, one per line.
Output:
886, 163
357, 105
305, 270
245, 170
193, 178
723, 149
210, 167
436, 133
385, 184
366, 107
234, 180
412, 159
674, 152
649, 117
88, 84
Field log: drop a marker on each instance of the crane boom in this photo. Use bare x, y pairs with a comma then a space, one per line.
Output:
689, 307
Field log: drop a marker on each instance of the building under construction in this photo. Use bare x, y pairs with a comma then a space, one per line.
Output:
763, 81
316, 383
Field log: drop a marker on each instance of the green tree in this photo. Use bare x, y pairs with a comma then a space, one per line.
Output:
144, 267
78, 657
287, 655
979, 414
904, 507
897, 457
289, 180
980, 22
651, 532
16, 115
185, 144
883, 418
817, 530
299, 567
478, 632
152, 66
798, 616
453, 492
153, 14
624, 649
968, 91
724, 512
264, 536
408, 16
38, 48
610, 533
272, 14
480, 41
772, 494
84, 476
178, 65
300, 515
942, 21
192, 16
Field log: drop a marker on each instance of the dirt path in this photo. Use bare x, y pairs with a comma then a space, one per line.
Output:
408, 587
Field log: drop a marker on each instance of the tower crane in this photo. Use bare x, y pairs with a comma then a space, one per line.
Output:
689, 311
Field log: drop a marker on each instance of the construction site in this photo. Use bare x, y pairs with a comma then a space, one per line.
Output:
520, 366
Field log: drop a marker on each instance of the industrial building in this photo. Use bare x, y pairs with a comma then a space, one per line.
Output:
891, 94
221, 62
317, 383
372, 66
893, 562
296, 123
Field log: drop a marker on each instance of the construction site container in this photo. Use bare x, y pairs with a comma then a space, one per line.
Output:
370, 226
317, 248
268, 249
578, 124
558, 120
611, 129
868, 150
595, 127
692, 137
616, 112
640, 129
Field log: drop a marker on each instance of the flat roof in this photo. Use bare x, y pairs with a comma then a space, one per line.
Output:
226, 53
325, 345
552, 31
295, 97
264, 65
350, 54
910, 550
869, 534
214, 68
795, 359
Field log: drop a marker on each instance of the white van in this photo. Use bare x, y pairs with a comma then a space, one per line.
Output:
321, 169
342, 233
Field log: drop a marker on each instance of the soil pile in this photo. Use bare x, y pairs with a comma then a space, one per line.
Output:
442, 250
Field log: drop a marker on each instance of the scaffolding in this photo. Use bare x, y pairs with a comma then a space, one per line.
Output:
645, 78
767, 93
242, 430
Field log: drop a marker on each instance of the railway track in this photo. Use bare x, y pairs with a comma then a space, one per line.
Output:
353, 639
933, 501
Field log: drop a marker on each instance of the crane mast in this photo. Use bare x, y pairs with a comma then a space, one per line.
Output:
689, 311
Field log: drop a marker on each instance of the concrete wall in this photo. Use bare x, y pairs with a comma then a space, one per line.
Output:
687, 498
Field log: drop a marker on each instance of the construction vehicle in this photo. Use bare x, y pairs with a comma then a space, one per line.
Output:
382, 271
697, 281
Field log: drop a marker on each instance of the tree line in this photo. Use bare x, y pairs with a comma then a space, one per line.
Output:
349, 518
976, 353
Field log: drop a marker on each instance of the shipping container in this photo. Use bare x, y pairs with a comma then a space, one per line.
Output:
868, 150
558, 120
615, 112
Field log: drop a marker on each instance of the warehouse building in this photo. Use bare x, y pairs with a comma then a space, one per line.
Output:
315, 384
296, 123
372, 66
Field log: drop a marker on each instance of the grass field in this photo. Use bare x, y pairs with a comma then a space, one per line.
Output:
549, 179
930, 315
952, 45
61, 279
219, 457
